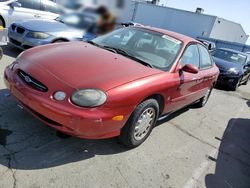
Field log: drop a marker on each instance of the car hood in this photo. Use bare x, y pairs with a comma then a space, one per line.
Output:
45, 25
226, 65
82, 65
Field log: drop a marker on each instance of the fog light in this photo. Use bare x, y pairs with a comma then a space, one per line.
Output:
59, 96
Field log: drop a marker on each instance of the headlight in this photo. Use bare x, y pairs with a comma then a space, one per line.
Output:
38, 35
233, 71
89, 98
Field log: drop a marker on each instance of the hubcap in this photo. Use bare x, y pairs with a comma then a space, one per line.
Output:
144, 123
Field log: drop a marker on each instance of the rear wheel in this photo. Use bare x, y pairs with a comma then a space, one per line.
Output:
140, 124
203, 101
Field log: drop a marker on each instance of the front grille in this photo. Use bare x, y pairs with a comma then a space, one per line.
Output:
15, 42
20, 30
32, 82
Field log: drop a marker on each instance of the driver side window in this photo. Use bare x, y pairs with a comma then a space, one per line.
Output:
191, 56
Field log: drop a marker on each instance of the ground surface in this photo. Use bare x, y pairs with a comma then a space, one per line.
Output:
208, 147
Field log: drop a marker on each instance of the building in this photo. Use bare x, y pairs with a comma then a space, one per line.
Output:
194, 24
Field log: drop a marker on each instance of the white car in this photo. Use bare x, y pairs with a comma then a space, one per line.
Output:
12, 10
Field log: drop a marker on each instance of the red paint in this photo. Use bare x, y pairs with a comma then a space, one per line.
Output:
72, 66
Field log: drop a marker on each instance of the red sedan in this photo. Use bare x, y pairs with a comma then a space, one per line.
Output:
118, 84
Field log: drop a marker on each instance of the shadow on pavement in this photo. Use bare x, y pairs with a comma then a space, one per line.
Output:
28, 144
11, 51
233, 161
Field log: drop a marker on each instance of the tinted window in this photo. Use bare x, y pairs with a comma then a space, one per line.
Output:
191, 56
205, 58
154, 48
32, 4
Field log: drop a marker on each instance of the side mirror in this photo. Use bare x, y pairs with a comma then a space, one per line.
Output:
190, 69
15, 4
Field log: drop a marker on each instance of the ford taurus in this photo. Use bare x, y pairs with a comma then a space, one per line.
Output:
118, 84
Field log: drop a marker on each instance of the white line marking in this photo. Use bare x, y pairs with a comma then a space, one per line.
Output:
192, 182
199, 171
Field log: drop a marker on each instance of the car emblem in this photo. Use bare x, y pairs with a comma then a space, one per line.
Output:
27, 79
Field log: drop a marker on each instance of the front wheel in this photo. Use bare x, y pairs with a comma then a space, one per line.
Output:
246, 82
140, 124
203, 101
236, 86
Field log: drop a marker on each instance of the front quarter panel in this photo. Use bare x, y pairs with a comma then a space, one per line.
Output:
133, 93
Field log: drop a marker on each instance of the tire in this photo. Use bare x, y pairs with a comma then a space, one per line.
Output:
203, 101
140, 124
236, 86
246, 82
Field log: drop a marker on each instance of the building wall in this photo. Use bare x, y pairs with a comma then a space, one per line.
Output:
185, 22
228, 31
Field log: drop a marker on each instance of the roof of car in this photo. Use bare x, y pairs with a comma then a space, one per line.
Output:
179, 36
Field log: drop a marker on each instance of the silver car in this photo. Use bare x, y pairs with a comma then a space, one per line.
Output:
70, 27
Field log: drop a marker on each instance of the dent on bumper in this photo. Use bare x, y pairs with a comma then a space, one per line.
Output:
79, 122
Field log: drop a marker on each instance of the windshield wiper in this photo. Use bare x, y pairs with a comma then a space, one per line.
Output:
122, 52
126, 54
93, 43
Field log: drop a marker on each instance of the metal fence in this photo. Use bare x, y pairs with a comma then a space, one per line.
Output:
230, 45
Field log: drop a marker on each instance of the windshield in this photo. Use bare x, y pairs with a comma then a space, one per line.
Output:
79, 21
233, 57
152, 48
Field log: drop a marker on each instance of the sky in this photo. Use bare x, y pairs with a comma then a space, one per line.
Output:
237, 11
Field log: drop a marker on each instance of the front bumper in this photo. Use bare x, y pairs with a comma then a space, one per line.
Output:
93, 123
23, 42
228, 79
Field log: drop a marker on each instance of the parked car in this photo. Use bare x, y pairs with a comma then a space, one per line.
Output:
211, 46
70, 27
234, 67
12, 10
115, 85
